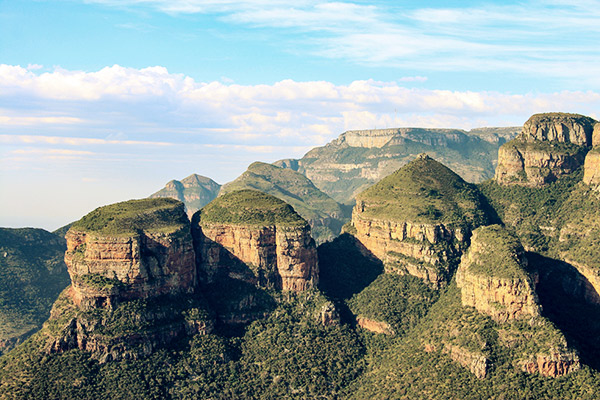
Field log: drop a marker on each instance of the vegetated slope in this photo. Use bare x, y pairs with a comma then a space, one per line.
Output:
32, 274
358, 159
324, 214
195, 192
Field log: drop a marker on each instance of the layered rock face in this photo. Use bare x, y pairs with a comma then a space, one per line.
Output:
493, 279
277, 252
549, 146
110, 266
126, 262
418, 220
324, 215
591, 171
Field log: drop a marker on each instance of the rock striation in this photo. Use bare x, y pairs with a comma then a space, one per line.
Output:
493, 276
549, 146
133, 277
418, 220
255, 237
137, 249
324, 215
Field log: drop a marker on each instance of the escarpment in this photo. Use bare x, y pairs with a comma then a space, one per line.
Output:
194, 192
418, 220
549, 146
255, 237
133, 276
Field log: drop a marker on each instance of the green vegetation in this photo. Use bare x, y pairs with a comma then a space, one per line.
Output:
426, 191
398, 300
323, 213
32, 274
467, 153
248, 207
531, 212
133, 216
499, 253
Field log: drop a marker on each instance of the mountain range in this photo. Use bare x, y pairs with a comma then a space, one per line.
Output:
438, 285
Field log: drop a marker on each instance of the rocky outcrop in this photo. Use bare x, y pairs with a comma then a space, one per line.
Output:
493, 278
591, 168
280, 257
477, 363
260, 239
556, 363
329, 315
559, 127
108, 268
421, 250
549, 146
133, 278
417, 221
374, 326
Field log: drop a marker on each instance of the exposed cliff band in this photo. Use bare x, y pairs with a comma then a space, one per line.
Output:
253, 236
549, 146
418, 220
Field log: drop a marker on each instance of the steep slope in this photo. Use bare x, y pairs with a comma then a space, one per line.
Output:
32, 275
358, 159
324, 215
549, 146
133, 275
419, 219
255, 237
195, 192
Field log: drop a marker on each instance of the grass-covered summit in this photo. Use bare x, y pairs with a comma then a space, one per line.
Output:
249, 207
130, 217
324, 214
426, 191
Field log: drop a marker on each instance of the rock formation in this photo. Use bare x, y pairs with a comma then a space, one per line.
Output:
591, 168
358, 159
549, 146
126, 261
195, 192
324, 215
253, 236
418, 220
153, 255
493, 278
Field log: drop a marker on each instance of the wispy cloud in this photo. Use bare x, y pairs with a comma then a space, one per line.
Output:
553, 38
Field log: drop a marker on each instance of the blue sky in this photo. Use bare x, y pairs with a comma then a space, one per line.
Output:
106, 100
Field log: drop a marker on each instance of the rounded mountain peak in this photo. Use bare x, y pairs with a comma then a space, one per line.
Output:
249, 207
425, 191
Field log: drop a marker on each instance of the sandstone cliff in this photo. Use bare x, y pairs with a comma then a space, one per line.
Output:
493, 276
591, 168
133, 277
418, 220
153, 256
253, 236
548, 147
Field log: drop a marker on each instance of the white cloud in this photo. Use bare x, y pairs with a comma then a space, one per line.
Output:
552, 38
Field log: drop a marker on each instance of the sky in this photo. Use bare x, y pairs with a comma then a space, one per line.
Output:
107, 100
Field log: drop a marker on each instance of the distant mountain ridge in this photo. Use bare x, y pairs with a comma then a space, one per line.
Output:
195, 192
360, 158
